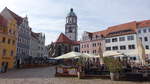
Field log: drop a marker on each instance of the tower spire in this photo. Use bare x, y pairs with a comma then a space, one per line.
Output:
71, 25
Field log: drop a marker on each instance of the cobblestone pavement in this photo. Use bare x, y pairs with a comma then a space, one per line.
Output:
45, 75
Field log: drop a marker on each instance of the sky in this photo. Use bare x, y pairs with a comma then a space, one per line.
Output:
48, 16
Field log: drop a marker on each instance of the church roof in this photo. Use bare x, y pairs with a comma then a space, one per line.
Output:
63, 39
71, 13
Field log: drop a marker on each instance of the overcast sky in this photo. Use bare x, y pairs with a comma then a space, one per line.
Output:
48, 16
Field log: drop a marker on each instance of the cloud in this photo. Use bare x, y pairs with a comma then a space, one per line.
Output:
48, 16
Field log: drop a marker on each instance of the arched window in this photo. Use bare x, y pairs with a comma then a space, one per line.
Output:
76, 49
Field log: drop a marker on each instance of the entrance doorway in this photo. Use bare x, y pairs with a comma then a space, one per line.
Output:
4, 67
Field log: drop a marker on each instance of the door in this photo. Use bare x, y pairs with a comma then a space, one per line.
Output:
4, 67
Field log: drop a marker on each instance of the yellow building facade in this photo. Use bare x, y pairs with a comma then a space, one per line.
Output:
8, 39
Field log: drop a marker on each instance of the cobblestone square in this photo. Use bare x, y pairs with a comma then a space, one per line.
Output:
45, 75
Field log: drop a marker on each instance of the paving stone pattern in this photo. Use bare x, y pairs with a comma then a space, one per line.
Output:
45, 75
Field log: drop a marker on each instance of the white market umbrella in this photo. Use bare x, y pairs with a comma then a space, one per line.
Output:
111, 53
71, 55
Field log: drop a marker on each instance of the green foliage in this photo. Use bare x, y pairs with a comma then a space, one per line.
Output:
114, 65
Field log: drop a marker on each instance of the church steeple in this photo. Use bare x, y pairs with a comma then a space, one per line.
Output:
71, 25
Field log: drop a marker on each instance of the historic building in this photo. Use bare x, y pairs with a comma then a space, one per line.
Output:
66, 42
23, 37
91, 41
41, 44
34, 45
122, 38
143, 31
37, 44
8, 39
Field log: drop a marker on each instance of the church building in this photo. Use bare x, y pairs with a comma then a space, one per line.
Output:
66, 42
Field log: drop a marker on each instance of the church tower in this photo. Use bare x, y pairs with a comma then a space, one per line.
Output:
71, 30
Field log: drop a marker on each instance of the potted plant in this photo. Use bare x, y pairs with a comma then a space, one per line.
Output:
114, 66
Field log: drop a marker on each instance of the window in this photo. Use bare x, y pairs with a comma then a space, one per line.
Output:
14, 32
9, 41
94, 44
87, 45
84, 46
94, 51
13, 42
4, 52
121, 38
98, 43
4, 39
147, 47
145, 38
107, 40
140, 38
11, 53
122, 47
130, 37
131, 46
114, 39
115, 47
108, 48
139, 31
144, 31
87, 51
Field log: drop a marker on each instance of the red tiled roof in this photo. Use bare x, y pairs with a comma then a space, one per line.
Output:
3, 22
17, 17
76, 42
130, 25
63, 39
145, 23
122, 29
103, 32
